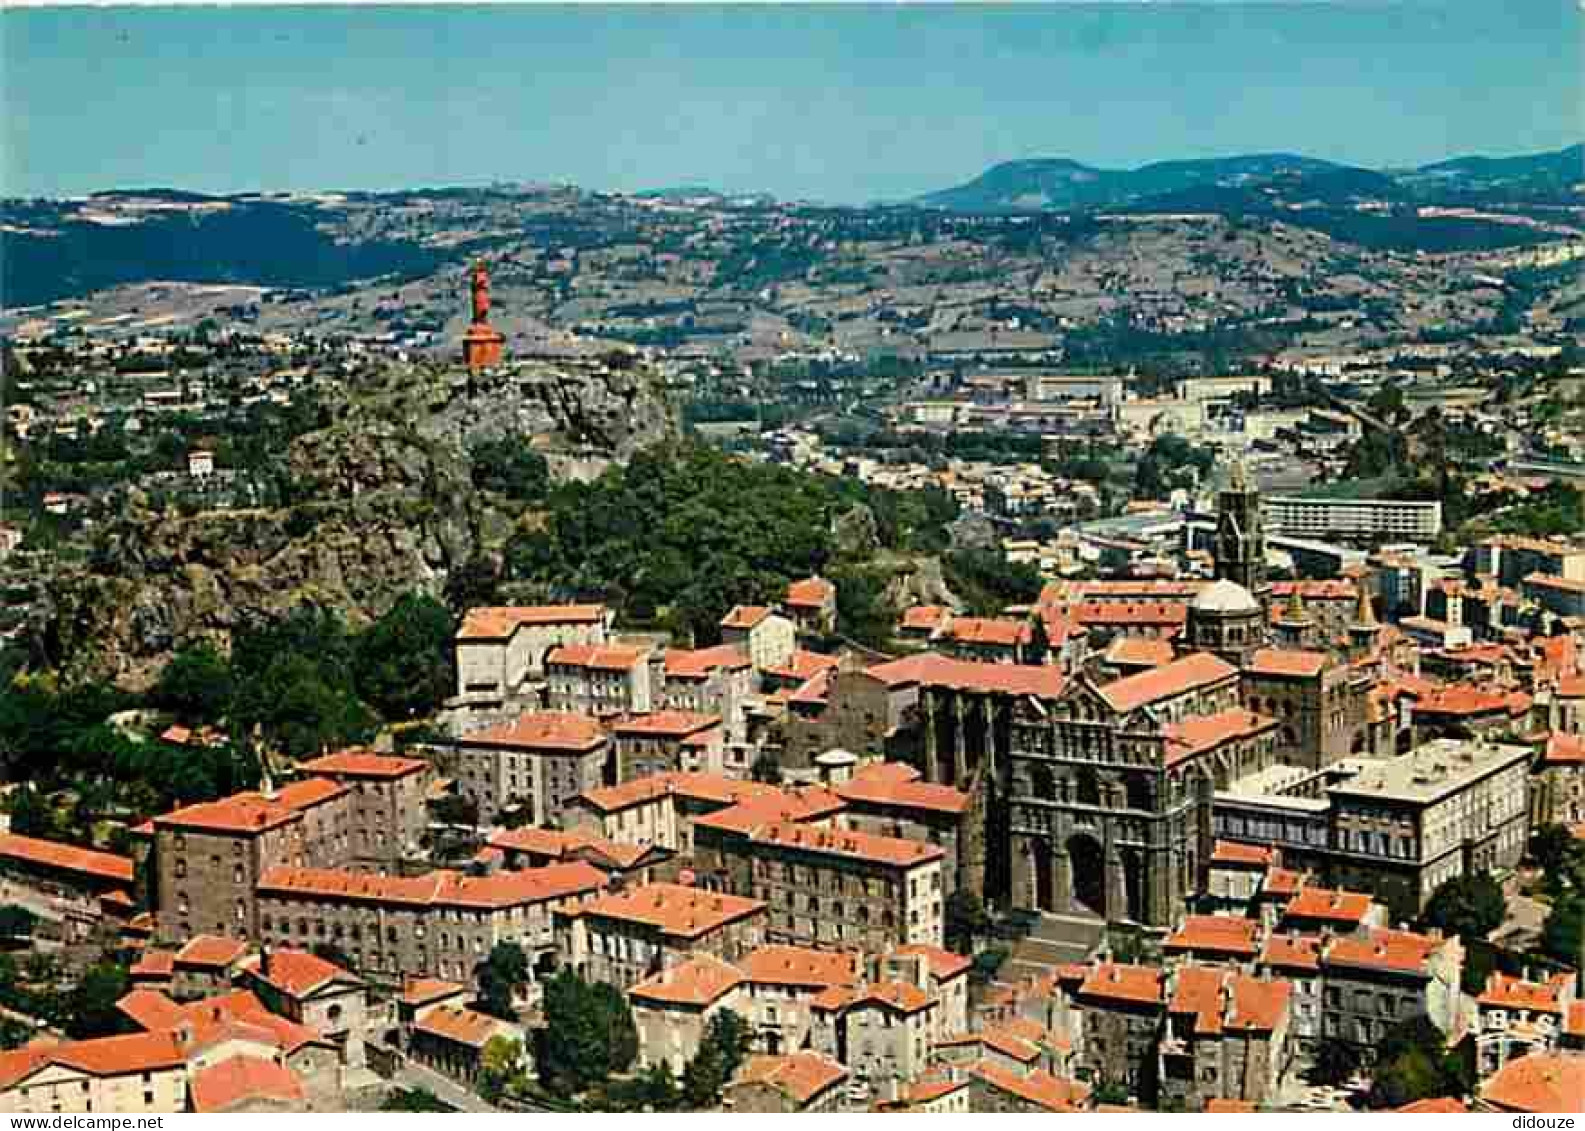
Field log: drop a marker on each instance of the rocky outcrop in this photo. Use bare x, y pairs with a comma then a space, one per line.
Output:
383, 505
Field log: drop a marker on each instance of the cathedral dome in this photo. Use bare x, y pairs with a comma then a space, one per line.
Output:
1226, 598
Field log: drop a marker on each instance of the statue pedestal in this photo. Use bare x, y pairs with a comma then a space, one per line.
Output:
482, 346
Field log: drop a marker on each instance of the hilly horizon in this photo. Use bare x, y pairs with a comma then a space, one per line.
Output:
1057, 183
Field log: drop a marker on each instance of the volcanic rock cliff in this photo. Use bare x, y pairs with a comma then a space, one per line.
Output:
383, 504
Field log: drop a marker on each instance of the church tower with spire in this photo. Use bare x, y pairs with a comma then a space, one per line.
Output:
1240, 537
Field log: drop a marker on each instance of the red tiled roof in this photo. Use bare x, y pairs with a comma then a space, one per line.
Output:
931, 670
422, 991
101, 1056
879, 784
924, 618
1115, 613
1292, 952
1228, 853
602, 657
899, 996
1401, 951
1002, 632
1442, 1105
892, 851
441, 888
499, 623
1138, 652
804, 666
1217, 933
700, 662
701, 980
666, 724
810, 593
1463, 699
800, 1075
694, 786
1287, 662
239, 1079
1197, 990
1564, 750
66, 858
542, 730
1539, 1083
1039, 1087
153, 964
1198, 734
242, 813
1191, 672
673, 909
296, 972
308, 792
210, 950
1257, 1004
458, 1025
944, 965
364, 764
745, 616
783, 965
1348, 907
151, 1010
1140, 985
1505, 992
809, 803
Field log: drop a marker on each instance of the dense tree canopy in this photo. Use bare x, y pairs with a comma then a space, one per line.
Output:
588, 1034
1470, 906
405, 663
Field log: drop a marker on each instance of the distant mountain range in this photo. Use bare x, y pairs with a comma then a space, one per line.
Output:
1221, 182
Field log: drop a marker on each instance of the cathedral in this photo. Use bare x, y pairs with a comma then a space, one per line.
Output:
1111, 786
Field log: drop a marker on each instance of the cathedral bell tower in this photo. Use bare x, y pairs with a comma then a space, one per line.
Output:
1240, 538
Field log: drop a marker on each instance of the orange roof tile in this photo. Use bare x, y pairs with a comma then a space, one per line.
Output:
151, 1010
928, 669
1107, 614
673, 909
997, 1039
665, 724
1401, 951
459, 1025
745, 616
1463, 699
899, 996
1039, 1087
1139, 985
541, 730
1199, 734
210, 951
601, 657
1219, 934
308, 792
240, 1079
1228, 853
809, 803
364, 764
800, 1075
810, 593
65, 857
1443, 1105
422, 991
1564, 750
1574, 1023
1138, 652
782, 965
1287, 662
1505, 992
1348, 907
297, 972
700, 981
694, 786
1190, 673
153, 965
877, 784
698, 663
243, 813
1002, 632
804, 666
441, 888
892, 851
101, 1056
1539, 1083
944, 965
1292, 952
924, 618
499, 623
1282, 881
1197, 990
1257, 1004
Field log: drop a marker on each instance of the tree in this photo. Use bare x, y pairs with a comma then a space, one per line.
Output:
30, 813
966, 920
405, 661
1554, 848
500, 976
1563, 934
766, 769
414, 1100
16, 922
1470, 906
196, 684
720, 1053
1335, 1062
89, 1009
511, 467
588, 1034
500, 1067
1414, 1063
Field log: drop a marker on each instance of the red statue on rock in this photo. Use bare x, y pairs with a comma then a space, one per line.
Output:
482, 344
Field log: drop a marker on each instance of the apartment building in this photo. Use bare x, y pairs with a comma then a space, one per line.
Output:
1375, 519
501, 651
387, 799
664, 741
600, 680
542, 760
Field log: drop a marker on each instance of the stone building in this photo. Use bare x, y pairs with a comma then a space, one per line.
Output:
672, 1008
833, 888
1377, 978
1557, 785
767, 637
541, 761
890, 799
716, 681
602, 680
661, 810
388, 813
793, 1082
624, 938
1228, 620
812, 604
138, 1074
1121, 1009
312, 992
440, 924
1516, 1017
1320, 704
1225, 1037
661, 742
1111, 788
61, 884
501, 651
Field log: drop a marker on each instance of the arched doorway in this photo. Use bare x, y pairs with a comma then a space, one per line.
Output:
1087, 866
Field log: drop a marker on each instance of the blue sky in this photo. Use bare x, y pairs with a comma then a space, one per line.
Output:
837, 102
